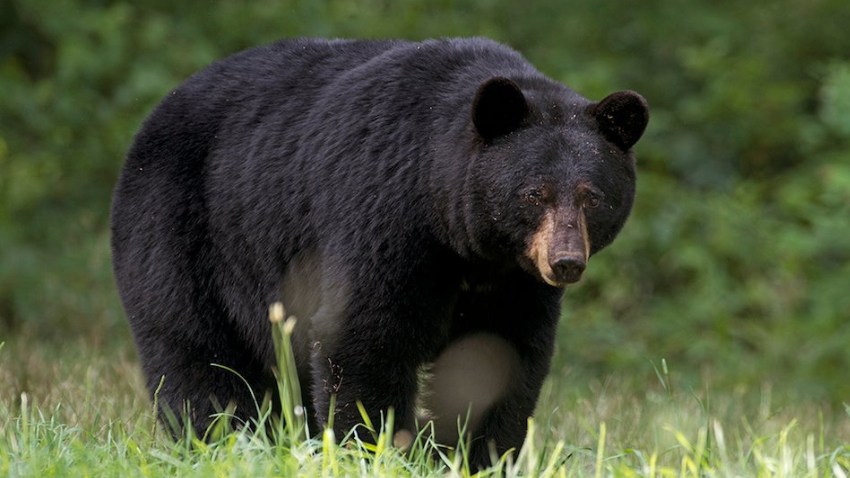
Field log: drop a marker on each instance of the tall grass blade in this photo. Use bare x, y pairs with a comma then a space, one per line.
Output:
289, 389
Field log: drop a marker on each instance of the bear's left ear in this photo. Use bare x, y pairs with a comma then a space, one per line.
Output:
499, 108
622, 117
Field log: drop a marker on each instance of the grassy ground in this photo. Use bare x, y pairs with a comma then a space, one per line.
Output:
73, 410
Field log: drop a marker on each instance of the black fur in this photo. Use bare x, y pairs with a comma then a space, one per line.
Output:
370, 155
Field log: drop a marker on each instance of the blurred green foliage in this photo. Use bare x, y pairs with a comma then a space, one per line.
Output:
735, 264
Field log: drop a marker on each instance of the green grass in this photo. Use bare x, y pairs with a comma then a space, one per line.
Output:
71, 410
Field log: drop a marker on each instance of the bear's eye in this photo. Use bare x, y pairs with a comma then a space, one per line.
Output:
534, 197
592, 200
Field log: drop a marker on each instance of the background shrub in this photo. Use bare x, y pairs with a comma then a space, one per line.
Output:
735, 265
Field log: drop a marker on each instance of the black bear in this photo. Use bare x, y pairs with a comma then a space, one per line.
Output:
419, 206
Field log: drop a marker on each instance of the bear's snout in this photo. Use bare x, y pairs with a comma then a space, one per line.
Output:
568, 268
560, 247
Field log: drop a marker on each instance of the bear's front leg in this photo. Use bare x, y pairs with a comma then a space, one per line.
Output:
376, 354
489, 377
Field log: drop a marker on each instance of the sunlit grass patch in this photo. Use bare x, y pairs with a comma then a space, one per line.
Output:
84, 413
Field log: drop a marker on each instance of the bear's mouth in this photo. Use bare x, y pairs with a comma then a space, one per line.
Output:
549, 277
552, 281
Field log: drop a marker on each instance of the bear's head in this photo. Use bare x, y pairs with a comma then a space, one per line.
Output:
553, 174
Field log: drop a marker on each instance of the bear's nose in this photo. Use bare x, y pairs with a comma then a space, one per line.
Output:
568, 268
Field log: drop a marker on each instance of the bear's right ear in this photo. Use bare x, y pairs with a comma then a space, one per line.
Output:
499, 108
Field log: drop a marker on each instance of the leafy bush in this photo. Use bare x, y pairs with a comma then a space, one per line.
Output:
736, 258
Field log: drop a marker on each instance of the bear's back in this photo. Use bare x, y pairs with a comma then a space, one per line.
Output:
298, 136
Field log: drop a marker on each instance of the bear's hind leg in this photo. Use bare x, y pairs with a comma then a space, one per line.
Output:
195, 380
